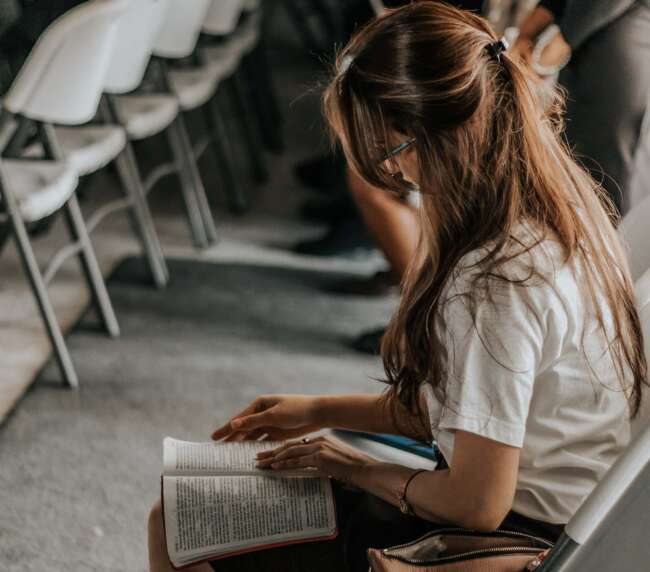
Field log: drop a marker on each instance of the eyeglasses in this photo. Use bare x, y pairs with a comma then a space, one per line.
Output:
397, 150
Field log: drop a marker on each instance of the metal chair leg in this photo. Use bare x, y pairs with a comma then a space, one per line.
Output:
141, 215
197, 183
202, 227
61, 353
90, 266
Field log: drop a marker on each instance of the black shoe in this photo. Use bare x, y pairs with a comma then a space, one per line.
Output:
379, 284
347, 238
322, 173
336, 209
369, 342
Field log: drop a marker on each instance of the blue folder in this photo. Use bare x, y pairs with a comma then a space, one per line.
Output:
403, 443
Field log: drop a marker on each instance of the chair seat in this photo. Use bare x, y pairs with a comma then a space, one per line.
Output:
247, 35
87, 149
194, 87
145, 115
40, 187
92, 147
223, 58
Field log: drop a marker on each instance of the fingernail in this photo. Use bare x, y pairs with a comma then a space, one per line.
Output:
236, 423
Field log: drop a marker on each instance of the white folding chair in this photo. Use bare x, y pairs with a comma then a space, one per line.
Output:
146, 114
195, 86
89, 148
61, 82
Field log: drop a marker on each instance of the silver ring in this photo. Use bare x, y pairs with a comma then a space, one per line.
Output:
306, 440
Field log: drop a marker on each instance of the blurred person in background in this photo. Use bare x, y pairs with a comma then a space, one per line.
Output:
361, 215
607, 46
351, 211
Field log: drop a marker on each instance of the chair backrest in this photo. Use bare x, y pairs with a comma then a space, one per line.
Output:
63, 77
611, 527
222, 17
180, 28
134, 41
635, 231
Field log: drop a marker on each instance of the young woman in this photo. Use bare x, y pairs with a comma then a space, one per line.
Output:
516, 346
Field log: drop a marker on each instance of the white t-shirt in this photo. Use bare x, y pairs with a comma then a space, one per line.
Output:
519, 376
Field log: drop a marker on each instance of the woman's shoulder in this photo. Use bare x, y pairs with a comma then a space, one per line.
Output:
529, 261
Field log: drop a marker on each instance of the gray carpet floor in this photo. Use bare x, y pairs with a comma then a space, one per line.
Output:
79, 470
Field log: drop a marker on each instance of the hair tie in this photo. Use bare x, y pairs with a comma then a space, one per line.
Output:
495, 49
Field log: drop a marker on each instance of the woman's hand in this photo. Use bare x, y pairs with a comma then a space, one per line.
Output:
328, 455
279, 417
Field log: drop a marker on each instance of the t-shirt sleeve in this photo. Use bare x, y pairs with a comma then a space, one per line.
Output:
493, 351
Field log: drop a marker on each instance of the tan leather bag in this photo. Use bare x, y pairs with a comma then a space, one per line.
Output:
460, 550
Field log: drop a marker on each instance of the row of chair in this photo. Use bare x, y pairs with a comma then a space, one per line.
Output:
98, 80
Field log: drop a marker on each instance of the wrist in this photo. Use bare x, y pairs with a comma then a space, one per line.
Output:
359, 474
321, 411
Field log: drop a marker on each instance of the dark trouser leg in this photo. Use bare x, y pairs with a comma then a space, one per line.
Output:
608, 83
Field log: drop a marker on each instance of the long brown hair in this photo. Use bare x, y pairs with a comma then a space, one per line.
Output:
490, 156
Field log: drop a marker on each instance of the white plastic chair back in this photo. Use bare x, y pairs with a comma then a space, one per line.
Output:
63, 77
181, 27
612, 525
134, 40
222, 17
635, 230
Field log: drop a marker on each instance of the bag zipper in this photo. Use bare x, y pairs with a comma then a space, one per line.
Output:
505, 550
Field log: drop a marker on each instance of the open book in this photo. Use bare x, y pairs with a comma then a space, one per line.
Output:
216, 503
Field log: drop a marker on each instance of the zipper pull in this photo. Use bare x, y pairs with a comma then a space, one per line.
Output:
535, 564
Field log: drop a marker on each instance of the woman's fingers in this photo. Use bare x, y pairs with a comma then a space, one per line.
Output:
243, 422
245, 436
227, 428
296, 463
273, 452
287, 445
222, 432
294, 450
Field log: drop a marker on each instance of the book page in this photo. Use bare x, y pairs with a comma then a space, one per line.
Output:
206, 517
217, 458
187, 458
